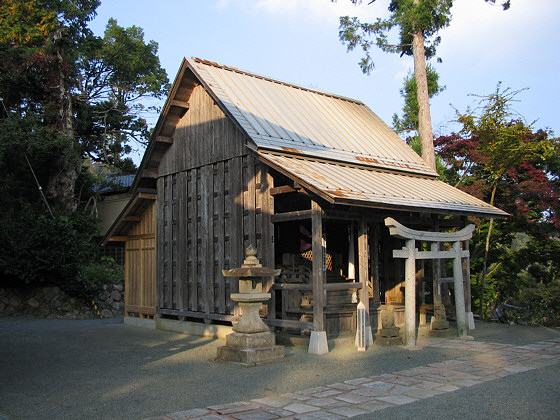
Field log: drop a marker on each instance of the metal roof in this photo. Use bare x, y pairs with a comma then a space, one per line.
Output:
343, 183
286, 117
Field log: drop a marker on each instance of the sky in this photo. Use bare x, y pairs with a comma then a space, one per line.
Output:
297, 41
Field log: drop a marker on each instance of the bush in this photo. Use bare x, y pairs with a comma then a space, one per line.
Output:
537, 306
92, 277
36, 249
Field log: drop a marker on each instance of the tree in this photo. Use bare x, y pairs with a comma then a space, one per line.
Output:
499, 158
418, 23
85, 93
409, 120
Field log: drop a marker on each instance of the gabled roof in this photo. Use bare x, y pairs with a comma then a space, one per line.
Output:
333, 145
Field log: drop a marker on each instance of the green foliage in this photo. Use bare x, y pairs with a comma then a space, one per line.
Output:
427, 17
409, 119
496, 155
538, 306
91, 278
37, 249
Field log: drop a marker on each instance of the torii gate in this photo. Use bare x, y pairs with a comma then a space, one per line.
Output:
411, 254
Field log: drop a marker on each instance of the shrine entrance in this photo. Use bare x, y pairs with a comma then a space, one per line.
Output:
434, 241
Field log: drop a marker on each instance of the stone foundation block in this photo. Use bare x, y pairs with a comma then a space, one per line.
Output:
250, 341
250, 357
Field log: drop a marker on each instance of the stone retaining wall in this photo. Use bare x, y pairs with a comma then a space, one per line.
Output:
51, 302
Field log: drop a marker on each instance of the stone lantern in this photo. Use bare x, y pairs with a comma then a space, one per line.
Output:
252, 342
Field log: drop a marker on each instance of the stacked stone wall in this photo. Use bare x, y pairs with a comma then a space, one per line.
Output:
52, 302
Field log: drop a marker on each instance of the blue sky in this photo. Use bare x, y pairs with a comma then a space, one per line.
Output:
297, 41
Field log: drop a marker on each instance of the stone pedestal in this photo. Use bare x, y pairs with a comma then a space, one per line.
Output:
388, 334
388, 337
250, 349
439, 326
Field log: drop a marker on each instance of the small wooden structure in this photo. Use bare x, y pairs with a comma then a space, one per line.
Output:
306, 176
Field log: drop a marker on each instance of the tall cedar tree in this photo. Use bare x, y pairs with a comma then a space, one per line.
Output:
418, 23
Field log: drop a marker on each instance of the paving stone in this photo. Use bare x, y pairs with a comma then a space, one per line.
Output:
298, 397
279, 412
344, 387
328, 393
397, 399
400, 380
255, 415
276, 402
188, 414
399, 389
300, 408
353, 397
357, 381
379, 385
319, 415
422, 393
347, 411
428, 385
372, 392
464, 383
374, 405
311, 391
448, 388
228, 406
325, 402
517, 368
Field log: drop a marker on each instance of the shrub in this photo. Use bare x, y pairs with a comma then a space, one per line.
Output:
36, 249
92, 277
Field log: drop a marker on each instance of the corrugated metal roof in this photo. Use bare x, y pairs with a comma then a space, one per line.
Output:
282, 116
362, 185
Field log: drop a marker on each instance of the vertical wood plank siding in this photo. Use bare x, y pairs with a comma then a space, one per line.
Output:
213, 201
140, 267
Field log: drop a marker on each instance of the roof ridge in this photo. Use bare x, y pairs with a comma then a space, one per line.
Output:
271, 79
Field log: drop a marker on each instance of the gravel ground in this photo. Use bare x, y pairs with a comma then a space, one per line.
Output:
102, 369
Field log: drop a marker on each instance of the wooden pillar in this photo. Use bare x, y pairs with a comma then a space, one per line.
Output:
410, 294
318, 339
363, 274
375, 263
436, 266
459, 291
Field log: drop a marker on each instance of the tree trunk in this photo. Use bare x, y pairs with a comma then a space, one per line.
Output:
485, 260
424, 117
66, 168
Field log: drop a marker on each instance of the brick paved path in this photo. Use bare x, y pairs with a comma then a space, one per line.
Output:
366, 395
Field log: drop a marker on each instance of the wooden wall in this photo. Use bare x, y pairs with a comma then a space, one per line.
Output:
213, 201
140, 267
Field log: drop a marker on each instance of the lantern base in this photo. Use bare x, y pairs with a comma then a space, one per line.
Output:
250, 349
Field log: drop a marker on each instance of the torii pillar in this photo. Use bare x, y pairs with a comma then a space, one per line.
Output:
411, 254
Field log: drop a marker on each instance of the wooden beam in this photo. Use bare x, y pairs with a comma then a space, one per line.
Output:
329, 287
180, 104
164, 139
149, 173
132, 219
118, 239
291, 215
283, 189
